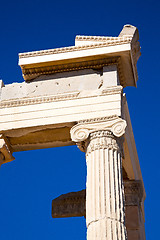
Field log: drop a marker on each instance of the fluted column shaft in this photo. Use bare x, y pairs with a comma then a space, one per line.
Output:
101, 139
104, 192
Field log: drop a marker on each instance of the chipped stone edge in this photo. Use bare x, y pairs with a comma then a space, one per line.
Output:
54, 98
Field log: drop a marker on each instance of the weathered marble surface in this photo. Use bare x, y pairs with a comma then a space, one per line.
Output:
74, 205
70, 205
74, 95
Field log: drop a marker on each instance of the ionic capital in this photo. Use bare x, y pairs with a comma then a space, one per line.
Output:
81, 131
5, 149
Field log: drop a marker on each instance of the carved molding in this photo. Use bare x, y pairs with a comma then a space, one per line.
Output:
30, 73
112, 90
54, 98
6, 149
110, 41
37, 100
129, 35
81, 131
103, 140
102, 38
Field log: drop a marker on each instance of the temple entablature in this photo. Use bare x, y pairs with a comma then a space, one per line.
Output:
74, 95
83, 83
89, 52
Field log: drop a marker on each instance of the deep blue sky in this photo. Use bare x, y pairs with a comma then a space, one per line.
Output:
28, 184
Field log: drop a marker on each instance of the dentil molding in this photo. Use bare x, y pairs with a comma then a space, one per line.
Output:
108, 41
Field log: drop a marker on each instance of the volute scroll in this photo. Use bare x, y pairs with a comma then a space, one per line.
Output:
80, 132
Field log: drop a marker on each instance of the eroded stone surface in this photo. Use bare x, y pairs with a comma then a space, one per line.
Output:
76, 81
134, 212
74, 205
81, 88
70, 205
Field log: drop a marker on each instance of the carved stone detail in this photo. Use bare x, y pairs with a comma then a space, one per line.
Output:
54, 98
37, 100
101, 38
112, 90
81, 131
5, 149
103, 140
34, 72
110, 42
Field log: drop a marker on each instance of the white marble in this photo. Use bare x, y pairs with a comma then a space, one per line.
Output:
104, 188
79, 90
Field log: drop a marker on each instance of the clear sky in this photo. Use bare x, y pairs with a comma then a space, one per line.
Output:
28, 184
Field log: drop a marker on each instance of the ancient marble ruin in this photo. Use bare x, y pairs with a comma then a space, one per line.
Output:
74, 95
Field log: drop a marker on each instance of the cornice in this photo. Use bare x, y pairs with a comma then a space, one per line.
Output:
87, 49
34, 72
100, 38
110, 41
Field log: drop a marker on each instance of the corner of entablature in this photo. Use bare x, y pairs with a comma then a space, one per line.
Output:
131, 31
81, 131
5, 149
